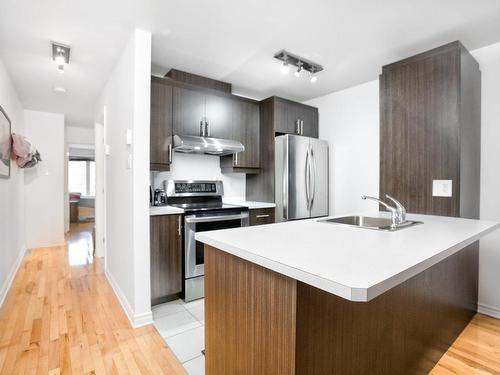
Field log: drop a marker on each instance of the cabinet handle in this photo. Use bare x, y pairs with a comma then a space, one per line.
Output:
207, 127
179, 226
202, 128
170, 152
261, 216
297, 126
235, 158
301, 127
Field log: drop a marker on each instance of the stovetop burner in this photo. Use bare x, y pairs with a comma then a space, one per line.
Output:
194, 196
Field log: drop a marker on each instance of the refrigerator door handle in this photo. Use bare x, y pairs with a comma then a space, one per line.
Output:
285, 182
307, 178
313, 178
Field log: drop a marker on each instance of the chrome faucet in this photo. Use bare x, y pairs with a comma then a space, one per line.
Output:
398, 213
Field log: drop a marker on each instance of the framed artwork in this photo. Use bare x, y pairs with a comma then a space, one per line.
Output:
5, 144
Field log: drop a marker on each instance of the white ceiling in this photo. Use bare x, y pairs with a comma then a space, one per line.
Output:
228, 40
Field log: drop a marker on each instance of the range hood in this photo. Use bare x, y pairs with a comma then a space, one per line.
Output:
206, 145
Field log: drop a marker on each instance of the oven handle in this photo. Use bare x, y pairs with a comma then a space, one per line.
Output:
204, 219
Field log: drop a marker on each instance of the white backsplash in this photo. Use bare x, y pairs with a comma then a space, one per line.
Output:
202, 167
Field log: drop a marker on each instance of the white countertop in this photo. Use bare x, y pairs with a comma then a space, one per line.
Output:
164, 210
250, 204
170, 210
353, 263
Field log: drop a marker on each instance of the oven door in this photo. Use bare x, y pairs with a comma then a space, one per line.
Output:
194, 250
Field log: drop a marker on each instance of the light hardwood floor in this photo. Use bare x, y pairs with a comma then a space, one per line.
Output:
61, 317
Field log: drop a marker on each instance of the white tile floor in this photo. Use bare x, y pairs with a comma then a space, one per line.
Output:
182, 326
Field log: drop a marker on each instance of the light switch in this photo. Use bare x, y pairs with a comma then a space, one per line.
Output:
107, 149
442, 188
129, 137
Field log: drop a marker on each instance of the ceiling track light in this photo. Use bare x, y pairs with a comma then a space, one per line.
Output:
288, 59
60, 55
299, 70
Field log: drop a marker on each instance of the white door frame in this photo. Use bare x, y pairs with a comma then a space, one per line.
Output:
100, 188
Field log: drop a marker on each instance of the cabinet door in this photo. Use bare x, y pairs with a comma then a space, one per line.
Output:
285, 117
161, 125
188, 111
166, 257
245, 125
261, 216
218, 111
309, 118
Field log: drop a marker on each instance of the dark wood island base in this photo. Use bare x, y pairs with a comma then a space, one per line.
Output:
261, 322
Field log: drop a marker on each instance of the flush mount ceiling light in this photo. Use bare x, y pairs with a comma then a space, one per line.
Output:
60, 55
302, 64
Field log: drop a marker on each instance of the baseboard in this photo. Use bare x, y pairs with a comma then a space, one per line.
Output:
55, 244
136, 320
4, 291
488, 310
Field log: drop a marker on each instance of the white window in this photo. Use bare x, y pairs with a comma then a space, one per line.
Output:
81, 177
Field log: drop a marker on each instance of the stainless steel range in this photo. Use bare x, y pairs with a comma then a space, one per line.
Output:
203, 211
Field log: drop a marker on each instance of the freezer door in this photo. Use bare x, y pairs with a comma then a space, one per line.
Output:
298, 182
319, 180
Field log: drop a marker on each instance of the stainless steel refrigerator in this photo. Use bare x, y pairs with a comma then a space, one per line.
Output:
301, 177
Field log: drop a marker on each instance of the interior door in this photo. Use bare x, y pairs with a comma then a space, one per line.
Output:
319, 181
298, 160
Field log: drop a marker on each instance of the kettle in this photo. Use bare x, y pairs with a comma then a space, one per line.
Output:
160, 198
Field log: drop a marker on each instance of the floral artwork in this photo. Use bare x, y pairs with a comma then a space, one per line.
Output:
5, 144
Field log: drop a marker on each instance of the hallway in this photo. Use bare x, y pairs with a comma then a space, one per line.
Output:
62, 317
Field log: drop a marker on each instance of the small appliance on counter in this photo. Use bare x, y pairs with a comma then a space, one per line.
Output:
159, 197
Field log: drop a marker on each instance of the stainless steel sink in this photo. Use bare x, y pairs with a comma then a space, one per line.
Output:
375, 223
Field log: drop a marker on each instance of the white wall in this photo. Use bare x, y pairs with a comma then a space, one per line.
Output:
489, 260
202, 167
79, 135
349, 121
12, 237
44, 184
126, 97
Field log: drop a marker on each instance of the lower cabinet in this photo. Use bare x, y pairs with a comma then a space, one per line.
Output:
261, 216
166, 257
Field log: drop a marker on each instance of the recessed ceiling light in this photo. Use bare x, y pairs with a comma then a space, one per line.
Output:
59, 89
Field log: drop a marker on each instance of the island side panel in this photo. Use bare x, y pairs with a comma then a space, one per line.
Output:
403, 331
250, 317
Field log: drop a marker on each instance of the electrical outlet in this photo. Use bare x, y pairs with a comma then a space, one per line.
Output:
442, 188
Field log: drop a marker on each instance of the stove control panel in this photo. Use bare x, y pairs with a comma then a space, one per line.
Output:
177, 188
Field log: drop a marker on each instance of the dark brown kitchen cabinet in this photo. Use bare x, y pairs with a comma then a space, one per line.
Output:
161, 125
194, 109
295, 118
218, 116
430, 129
245, 129
260, 216
188, 111
165, 257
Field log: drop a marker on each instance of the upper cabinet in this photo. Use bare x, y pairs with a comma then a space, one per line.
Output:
198, 113
218, 116
295, 118
188, 111
161, 125
430, 129
245, 129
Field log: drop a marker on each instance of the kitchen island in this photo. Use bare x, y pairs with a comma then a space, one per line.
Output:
306, 297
